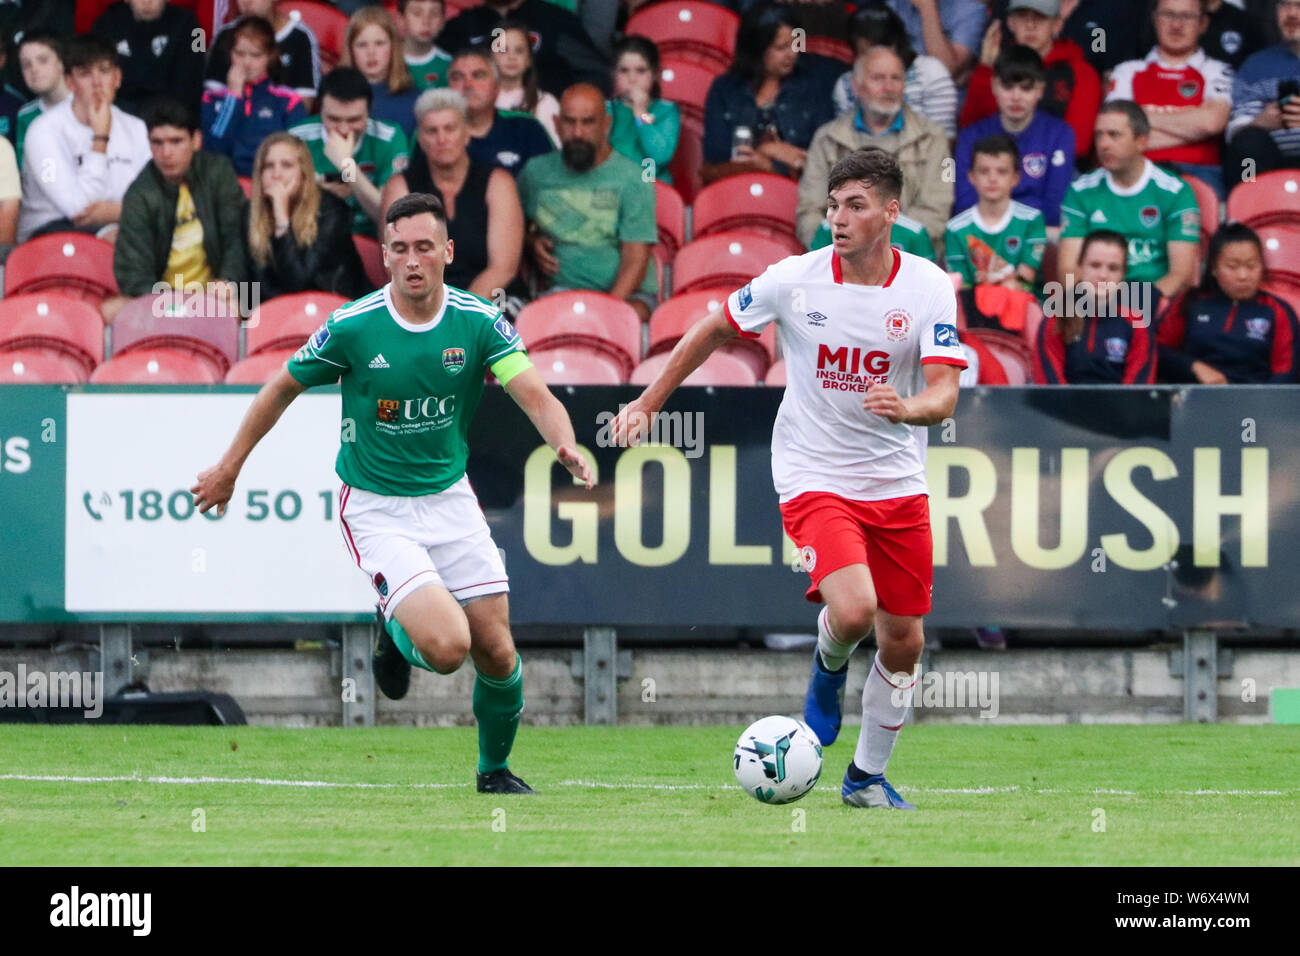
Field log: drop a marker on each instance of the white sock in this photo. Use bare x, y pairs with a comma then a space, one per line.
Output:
885, 700
834, 654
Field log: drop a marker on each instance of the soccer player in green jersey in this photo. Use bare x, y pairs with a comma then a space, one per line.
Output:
411, 357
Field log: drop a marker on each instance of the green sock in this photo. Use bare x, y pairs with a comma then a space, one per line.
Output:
403, 642
497, 705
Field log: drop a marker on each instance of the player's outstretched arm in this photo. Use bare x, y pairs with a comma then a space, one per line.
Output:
689, 353
551, 420
930, 406
216, 485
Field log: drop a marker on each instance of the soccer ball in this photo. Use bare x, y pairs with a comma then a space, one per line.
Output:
778, 759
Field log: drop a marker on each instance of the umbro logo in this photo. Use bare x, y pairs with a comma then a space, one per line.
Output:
816, 318
1098, 216
379, 361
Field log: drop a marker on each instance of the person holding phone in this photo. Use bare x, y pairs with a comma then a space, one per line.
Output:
1264, 130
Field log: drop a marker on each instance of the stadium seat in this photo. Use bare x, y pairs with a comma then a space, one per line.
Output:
31, 367
1209, 206
670, 216
762, 203
830, 48
1288, 292
72, 262
287, 321
592, 319
991, 370
259, 369
1281, 242
702, 32
160, 366
687, 84
1011, 351
246, 185
372, 258
577, 365
328, 23
87, 12
176, 322
1033, 319
776, 374
688, 161
725, 259
1273, 197
54, 323
720, 368
675, 316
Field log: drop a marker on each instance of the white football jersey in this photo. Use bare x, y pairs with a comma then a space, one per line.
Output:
837, 338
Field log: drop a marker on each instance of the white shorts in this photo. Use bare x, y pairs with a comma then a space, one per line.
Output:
404, 543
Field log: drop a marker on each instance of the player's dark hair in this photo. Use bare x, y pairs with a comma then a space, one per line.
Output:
415, 204
480, 50
86, 51
758, 28
647, 51
56, 43
995, 144
1137, 117
881, 26
403, 4
346, 84
871, 165
1017, 65
169, 111
1109, 236
1226, 234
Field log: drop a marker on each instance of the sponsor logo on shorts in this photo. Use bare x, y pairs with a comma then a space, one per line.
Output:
453, 360
381, 584
897, 324
808, 557
1148, 216
745, 297
945, 335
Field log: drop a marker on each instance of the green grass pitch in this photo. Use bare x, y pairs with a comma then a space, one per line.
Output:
988, 795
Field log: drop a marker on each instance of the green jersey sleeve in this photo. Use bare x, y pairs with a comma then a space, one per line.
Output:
1183, 218
498, 340
1035, 244
1074, 215
322, 358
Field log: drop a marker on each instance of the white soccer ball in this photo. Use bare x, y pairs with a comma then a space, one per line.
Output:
778, 759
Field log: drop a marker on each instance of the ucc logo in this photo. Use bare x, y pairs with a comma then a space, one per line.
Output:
392, 411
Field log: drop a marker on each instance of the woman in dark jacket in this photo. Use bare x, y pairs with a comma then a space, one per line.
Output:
299, 236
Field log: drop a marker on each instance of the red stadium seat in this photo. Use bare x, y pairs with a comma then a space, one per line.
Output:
720, 368
372, 257
1288, 292
1014, 354
725, 259
1208, 203
756, 202
991, 371
177, 322
1033, 319
246, 185
776, 374
686, 84
52, 322
577, 365
328, 23
1280, 243
831, 48
72, 262
259, 369
287, 321
670, 215
39, 367
87, 12
703, 32
688, 161
591, 319
1273, 197
675, 316
156, 367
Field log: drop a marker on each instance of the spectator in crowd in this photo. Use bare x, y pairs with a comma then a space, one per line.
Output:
299, 237
485, 220
1239, 333
1102, 29
41, 56
1152, 208
591, 216
421, 22
17, 20
948, 30
1113, 344
508, 140
882, 119
11, 102
180, 218
1231, 34
517, 78
1186, 95
1264, 133
252, 105
156, 52
11, 195
563, 55
80, 156
768, 93
353, 153
1045, 144
645, 125
372, 46
997, 241
1073, 89
299, 53
927, 84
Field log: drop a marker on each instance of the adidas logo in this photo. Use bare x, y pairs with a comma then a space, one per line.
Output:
379, 361
1098, 216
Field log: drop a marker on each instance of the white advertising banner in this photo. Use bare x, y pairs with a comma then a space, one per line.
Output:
136, 543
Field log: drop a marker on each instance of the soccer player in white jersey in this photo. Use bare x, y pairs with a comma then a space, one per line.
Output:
869, 335
412, 357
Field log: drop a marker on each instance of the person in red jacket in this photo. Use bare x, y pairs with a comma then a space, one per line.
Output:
1073, 90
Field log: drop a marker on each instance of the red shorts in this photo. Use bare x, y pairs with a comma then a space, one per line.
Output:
891, 537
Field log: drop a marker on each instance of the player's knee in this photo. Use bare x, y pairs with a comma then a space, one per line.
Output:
445, 650
854, 621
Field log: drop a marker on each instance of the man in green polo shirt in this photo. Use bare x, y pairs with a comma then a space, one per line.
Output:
411, 360
354, 154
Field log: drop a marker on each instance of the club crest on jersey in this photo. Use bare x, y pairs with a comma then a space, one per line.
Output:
389, 410
453, 360
320, 337
503, 329
381, 584
1013, 245
1257, 328
745, 297
1187, 89
1148, 216
897, 324
1116, 349
945, 336
1035, 165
